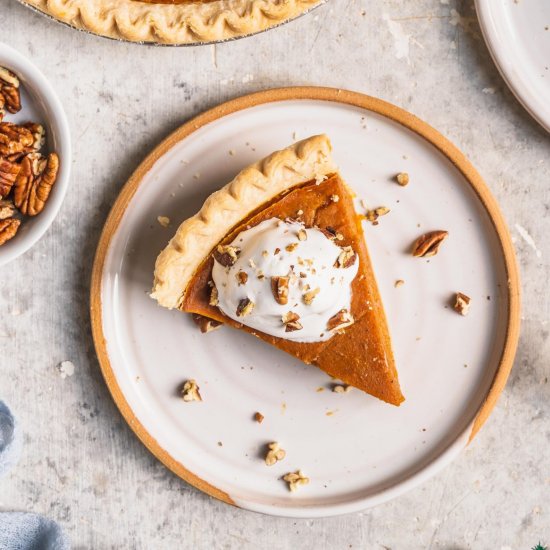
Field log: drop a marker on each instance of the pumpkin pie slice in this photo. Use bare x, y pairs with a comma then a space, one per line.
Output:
279, 253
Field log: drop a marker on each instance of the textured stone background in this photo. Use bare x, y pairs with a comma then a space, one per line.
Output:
81, 464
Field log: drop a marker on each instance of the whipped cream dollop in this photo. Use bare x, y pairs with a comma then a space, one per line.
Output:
286, 280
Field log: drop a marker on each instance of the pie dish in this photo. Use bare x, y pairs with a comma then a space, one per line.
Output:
279, 252
173, 21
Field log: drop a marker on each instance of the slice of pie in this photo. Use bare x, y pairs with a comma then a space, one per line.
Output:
280, 253
174, 21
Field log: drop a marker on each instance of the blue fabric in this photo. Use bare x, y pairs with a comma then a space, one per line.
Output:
19, 530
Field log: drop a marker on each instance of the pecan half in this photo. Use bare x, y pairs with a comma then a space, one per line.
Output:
226, 255
14, 139
428, 244
340, 321
279, 288
245, 307
9, 91
38, 134
346, 258
8, 174
34, 182
462, 303
8, 229
7, 209
205, 324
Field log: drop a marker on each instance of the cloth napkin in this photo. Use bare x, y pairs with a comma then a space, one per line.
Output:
19, 530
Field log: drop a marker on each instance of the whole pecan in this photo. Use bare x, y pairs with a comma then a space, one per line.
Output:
8, 229
428, 244
14, 139
8, 174
34, 182
9, 91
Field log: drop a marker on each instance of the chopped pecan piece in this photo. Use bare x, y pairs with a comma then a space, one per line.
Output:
302, 235
274, 454
8, 229
190, 391
9, 91
346, 257
402, 179
7, 209
340, 321
428, 244
331, 234
462, 303
14, 140
242, 277
291, 247
295, 480
291, 322
245, 307
309, 296
205, 324
340, 388
213, 301
258, 417
373, 215
8, 174
226, 255
34, 182
279, 288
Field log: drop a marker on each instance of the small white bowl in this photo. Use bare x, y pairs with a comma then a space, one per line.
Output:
40, 104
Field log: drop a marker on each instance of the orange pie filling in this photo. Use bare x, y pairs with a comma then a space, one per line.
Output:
296, 273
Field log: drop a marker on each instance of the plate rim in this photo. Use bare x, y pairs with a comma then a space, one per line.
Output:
505, 66
346, 97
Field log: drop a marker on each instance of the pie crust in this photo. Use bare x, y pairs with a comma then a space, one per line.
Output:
173, 23
255, 186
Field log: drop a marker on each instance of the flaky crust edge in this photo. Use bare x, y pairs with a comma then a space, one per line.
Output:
254, 186
174, 24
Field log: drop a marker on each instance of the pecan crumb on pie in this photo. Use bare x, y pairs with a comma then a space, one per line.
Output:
462, 303
291, 322
226, 255
274, 454
346, 258
245, 307
309, 296
190, 391
242, 277
427, 245
259, 417
340, 321
295, 480
402, 179
279, 288
334, 198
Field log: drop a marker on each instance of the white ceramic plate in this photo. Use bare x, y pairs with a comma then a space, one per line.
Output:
366, 451
39, 104
517, 33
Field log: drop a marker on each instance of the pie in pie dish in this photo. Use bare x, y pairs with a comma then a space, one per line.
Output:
173, 21
279, 253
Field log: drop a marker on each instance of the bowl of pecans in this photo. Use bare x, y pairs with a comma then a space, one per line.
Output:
35, 154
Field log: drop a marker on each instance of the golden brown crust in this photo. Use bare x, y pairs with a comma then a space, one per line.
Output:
252, 187
186, 23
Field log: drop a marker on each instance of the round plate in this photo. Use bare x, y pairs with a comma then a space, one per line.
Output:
518, 36
39, 104
165, 44
356, 450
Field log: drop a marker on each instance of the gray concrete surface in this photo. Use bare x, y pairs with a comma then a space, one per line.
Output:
81, 464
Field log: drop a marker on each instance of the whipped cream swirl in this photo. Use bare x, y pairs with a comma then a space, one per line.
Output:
286, 280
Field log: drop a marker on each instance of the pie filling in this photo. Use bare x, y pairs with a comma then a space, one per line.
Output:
286, 280
339, 325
